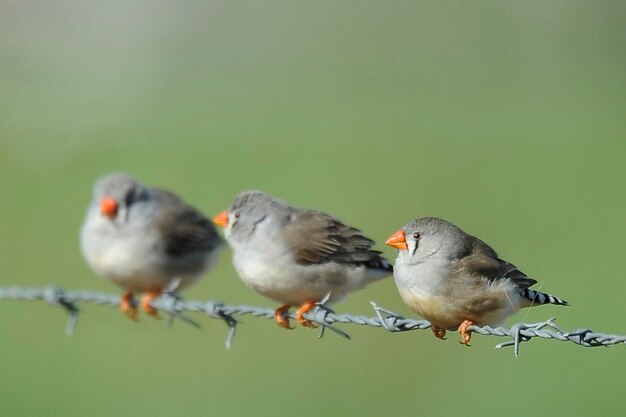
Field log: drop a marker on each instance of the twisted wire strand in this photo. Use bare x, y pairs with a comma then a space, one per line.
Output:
323, 316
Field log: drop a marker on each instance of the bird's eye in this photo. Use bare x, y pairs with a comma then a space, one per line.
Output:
237, 215
416, 236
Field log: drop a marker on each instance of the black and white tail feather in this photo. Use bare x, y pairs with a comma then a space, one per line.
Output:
537, 297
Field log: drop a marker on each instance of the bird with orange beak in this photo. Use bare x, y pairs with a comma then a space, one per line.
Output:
142, 238
297, 256
455, 280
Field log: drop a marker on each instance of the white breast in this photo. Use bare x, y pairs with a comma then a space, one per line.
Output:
274, 273
129, 256
423, 279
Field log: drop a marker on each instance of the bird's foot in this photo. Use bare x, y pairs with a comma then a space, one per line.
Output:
128, 307
439, 332
146, 301
305, 308
466, 335
281, 318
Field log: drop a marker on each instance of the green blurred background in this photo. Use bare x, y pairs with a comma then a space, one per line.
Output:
506, 117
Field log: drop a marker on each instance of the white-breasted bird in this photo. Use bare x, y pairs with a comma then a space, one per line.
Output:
297, 256
142, 238
455, 280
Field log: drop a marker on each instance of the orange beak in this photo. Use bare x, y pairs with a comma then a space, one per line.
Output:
109, 207
397, 240
221, 219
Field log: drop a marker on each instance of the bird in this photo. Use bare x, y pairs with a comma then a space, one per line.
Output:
143, 239
297, 256
455, 280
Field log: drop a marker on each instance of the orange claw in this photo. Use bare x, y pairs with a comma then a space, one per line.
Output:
127, 305
466, 335
146, 301
439, 332
305, 308
281, 318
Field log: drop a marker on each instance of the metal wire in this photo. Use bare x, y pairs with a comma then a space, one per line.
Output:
323, 316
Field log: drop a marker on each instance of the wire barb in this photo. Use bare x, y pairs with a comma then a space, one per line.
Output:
172, 304
56, 297
320, 317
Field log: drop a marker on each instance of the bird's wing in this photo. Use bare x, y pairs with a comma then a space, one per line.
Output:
483, 261
317, 237
183, 228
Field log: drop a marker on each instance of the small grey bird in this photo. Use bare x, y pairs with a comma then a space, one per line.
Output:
455, 280
142, 238
297, 256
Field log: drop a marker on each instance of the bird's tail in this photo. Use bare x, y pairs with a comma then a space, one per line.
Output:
538, 298
378, 268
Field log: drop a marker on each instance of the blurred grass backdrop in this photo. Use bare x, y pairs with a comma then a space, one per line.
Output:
506, 117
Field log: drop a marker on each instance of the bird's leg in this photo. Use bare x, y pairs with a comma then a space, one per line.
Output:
439, 332
281, 318
146, 301
466, 335
127, 305
305, 308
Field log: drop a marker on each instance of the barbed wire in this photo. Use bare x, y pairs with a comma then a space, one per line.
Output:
174, 306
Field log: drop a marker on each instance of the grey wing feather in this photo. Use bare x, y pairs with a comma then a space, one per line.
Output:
482, 260
184, 229
317, 237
